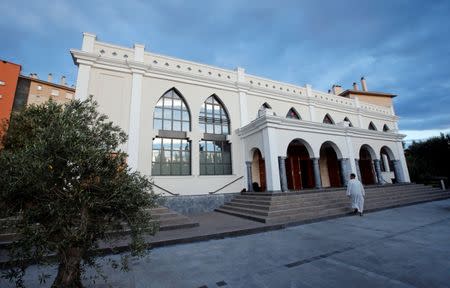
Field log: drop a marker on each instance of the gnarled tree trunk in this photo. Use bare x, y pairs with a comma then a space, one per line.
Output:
69, 270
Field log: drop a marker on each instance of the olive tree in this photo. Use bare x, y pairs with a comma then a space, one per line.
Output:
65, 178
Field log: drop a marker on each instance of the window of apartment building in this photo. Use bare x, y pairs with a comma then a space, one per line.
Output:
54, 92
2, 83
171, 148
215, 150
69, 96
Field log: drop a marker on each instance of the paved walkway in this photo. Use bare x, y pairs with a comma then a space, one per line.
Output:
402, 247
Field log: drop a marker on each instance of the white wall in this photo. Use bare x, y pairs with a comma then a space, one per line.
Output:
107, 74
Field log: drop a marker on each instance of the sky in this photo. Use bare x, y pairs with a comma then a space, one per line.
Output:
399, 46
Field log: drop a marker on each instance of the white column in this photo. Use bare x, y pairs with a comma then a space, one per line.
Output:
271, 160
401, 155
135, 110
312, 108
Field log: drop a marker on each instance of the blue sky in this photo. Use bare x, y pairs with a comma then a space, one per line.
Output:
400, 46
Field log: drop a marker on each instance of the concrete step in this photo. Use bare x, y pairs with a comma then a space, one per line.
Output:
166, 219
299, 203
241, 214
297, 206
282, 197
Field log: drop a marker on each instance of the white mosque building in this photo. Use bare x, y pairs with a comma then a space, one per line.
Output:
196, 129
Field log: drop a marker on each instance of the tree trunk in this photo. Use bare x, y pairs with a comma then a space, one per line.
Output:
69, 270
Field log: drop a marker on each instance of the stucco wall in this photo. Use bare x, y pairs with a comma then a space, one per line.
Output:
110, 79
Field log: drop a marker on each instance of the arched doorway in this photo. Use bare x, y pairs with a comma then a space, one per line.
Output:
330, 173
259, 170
366, 166
299, 166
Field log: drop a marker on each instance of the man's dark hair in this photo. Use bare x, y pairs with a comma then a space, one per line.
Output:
352, 176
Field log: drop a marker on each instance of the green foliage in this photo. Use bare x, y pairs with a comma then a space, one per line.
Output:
430, 159
63, 173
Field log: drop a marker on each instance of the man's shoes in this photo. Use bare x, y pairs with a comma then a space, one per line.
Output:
360, 214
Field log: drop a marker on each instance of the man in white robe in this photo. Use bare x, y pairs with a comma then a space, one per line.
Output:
355, 191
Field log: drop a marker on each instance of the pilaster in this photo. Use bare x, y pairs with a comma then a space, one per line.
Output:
311, 107
271, 160
135, 110
358, 108
242, 96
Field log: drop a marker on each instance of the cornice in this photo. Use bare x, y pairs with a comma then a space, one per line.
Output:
161, 72
270, 121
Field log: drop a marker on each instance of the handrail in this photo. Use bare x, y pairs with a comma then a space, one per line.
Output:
226, 185
165, 190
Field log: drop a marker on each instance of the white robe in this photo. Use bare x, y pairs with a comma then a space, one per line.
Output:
355, 191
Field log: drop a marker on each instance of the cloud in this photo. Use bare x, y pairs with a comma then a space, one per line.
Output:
399, 46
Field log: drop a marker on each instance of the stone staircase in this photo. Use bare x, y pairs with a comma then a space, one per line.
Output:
166, 219
306, 206
171, 220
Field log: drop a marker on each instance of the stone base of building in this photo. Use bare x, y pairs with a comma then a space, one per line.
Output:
196, 204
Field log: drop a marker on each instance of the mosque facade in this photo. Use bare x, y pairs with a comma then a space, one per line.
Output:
196, 129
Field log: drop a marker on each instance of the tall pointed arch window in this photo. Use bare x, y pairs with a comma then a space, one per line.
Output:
327, 119
349, 122
171, 147
213, 117
386, 128
215, 150
171, 113
293, 114
372, 126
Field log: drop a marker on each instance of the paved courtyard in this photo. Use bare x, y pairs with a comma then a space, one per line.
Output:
402, 247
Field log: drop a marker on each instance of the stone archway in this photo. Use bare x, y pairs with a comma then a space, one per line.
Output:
259, 170
366, 165
299, 166
330, 172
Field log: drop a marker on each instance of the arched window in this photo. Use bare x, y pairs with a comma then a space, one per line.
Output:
386, 128
293, 114
215, 150
171, 148
327, 119
171, 113
349, 122
372, 126
266, 105
213, 117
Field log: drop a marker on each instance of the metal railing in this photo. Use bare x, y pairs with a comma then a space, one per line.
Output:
165, 190
226, 185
